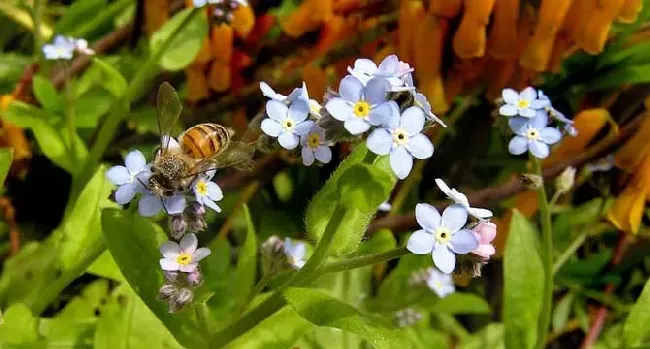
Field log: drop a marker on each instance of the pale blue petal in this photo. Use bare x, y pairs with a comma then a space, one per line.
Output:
540, 120
170, 249
527, 112
365, 65
125, 193
427, 217
339, 109
539, 103
323, 154
300, 250
307, 156
550, 135
420, 146
267, 91
444, 258
118, 175
304, 127
189, 243
393, 121
288, 140
356, 126
211, 204
510, 96
299, 110
379, 114
271, 127
380, 141
454, 217
464, 241
199, 3
135, 162
412, 120
175, 204
518, 124
528, 94
350, 89
518, 145
539, 149
276, 110
401, 162
214, 191
388, 66
508, 110
376, 90
420, 242
149, 205
201, 253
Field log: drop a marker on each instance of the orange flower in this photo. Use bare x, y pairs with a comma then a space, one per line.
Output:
14, 136
627, 210
503, 33
630, 11
205, 53
410, 14
221, 38
219, 76
428, 44
445, 8
308, 17
156, 13
243, 20
592, 36
197, 86
636, 148
498, 76
333, 31
527, 204
316, 80
562, 47
588, 123
551, 16
469, 40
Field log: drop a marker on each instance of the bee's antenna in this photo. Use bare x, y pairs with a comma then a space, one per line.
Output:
163, 205
144, 185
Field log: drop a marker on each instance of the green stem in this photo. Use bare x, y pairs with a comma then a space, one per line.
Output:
570, 251
362, 261
70, 114
38, 39
260, 284
547, 258
24, 19
203, 316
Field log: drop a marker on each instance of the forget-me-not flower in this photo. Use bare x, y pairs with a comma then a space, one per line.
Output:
183, 256
207, 192
287, 122
295, 252
61, 48
314, 146
360, 106
523, 104
391, 69
385, 207
461, 199
299, 92
81, 46
125, 177
442, 236
569, 125
440, 283
151, 204
532, 134
401, 137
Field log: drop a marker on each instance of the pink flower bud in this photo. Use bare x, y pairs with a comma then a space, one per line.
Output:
485, 232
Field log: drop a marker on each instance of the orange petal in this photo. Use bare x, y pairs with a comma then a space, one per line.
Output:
635, 148
197, 85
630, 11
588, 123
432, 87
469, 40
12, 135
221, 40
428, 45
503, 31
156, 13
308, 17
444, 8
562, 47
627, 210
410, 14
205, 53
551, 16
315, 79
577, 15
219, 78
346, 6
243, 20
331, 35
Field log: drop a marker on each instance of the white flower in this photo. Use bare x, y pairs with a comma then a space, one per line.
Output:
61, 48
440, 283
183, 257
461, 199
206, 191
125, 177
295, 252
523, 104
287, 122
391, 69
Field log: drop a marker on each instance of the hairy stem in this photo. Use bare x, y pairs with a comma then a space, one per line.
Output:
362, 261
547, 258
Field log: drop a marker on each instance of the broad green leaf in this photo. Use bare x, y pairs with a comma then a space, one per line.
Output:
323, 310
523, 284
78, 12
114, 325
88, 303
106, 267
12, 67
622, 74
490, 337
133, 242
635, 329
90, 108
111, 79
355, 221
381, 241
6, 157
461, 303
186, 45
19, 326
425, 338
364, 187
562, 312
67, 333
396, 292
278, 331
46, 94
246, 266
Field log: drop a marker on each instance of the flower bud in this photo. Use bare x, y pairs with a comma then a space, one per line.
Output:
167, 292
195, 278
177, 226
485, 232
531, 181
565, 181
195, 209
171, 276
272, 254
468, 266
182, 298
407, 317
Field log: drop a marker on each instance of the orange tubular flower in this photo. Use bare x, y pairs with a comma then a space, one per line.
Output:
627, 210
333, 31
243, 21
503, 33
630, 11
428, 45
219, 76
592, 36
308, 17
469, 40
197, 85
636, 148
588, 123
445, 8
205, 53
156, 13
551, 16
221, 38
410, 14
14, 136
316, 80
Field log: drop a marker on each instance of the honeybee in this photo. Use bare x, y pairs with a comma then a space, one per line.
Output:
199, 149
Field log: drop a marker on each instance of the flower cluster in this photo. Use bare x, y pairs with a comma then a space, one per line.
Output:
222, 10
64, 47
378, 97
447, 235
530, 114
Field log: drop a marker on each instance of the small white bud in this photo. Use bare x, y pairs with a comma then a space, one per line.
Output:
565, 181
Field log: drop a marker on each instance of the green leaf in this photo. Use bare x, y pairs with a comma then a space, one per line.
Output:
12, 67
133, 242
88, 302
461, 303
69, 333
106, 267
6, 157
78, 12
323, 310
490, 337
90, 108
622, 74
381, 241
246, 266
523, 284
355, 221
111, 78
114, 326
186, 44
364, 187
635, 329
19, 326
46, 94
562, 312
395, 292
425, 338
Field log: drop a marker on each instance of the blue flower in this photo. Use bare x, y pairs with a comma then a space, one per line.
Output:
401, 137
183, 256
207, 192
523, 104
440, 283
391, 69
61, 48
300, 92
532, 134
151, 204
295, 252
559, 116
360, 106
125, 177
442, 236
287, 122
315, 146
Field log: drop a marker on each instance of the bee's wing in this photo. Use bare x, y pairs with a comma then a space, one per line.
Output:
169, 109
238, 155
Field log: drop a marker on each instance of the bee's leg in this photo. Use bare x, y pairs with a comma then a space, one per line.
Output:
141, 182
162, 202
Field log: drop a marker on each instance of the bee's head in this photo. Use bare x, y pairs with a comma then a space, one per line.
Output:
170, 167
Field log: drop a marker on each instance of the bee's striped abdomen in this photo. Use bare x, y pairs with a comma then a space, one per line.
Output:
204, 140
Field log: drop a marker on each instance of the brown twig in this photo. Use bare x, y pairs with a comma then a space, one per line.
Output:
489, 195
9, 214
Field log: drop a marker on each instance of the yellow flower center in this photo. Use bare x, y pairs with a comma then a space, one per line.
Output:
288, 124
400, 136
202, 188
532, 134
523, 104
442, 235
313, 141
361, 109
184, 259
